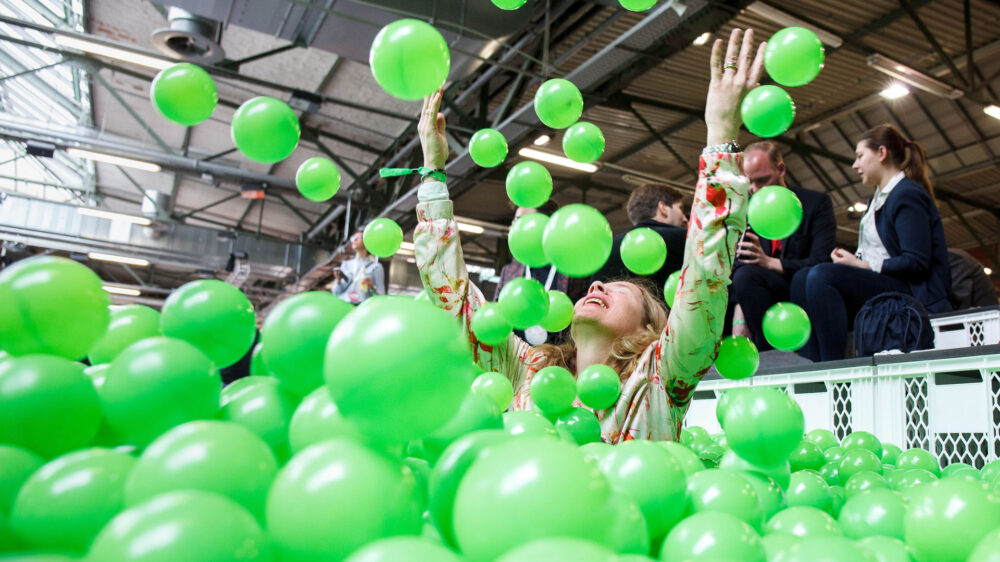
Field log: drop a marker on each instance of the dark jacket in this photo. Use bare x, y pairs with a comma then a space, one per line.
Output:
911, 231
970, 286
815, 238
674, 236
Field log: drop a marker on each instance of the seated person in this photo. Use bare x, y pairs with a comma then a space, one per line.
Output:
660, 208
970, 285
901, 246
660, 359
360, 277
764, 268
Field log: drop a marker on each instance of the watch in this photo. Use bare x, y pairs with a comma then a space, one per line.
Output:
725, 148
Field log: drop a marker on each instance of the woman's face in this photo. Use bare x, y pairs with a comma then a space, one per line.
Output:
868, 163
615, 306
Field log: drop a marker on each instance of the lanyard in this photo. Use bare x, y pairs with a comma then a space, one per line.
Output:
548, 282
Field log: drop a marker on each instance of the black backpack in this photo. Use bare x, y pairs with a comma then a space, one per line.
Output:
892, 321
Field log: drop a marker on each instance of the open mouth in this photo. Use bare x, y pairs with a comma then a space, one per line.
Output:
595, 300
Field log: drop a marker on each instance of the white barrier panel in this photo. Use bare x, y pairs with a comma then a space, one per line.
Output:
945, 402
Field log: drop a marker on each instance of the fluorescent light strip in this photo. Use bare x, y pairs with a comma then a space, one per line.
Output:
471, 228
102, 214
913, 77
542, 140
894, 92
116, 160
117, 259
407, 246
557, 160
702, 39
122, 291
992, 110
105, 50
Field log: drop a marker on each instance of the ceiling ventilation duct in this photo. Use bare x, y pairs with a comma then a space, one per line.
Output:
348, 27
190, 37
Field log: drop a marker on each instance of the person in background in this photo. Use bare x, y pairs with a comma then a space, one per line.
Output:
661, 208
901, 246
970, 285
764, 268
360, 277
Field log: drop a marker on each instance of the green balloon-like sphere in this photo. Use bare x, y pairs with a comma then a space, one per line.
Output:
184, 93
382, 237
794, 56
523, 302
946, 519
577, 240
496, 387
317, 419
768, 111
264, 405
318, 179
410, 59
580, 426
637, 5
670, 287
213, 316
786, 326
509, 4
529, 184
583, 142
560, 313
774, 212
489, 324
488, 148
553, 389
406, 394
738, 358
643, 251
129, 324
51, 305
763, 425
525, 239
558, 103
265, 130
598, 386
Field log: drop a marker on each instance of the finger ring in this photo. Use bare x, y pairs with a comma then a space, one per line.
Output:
730, 64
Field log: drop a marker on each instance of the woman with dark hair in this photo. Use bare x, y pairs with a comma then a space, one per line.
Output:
621, 324
901, 246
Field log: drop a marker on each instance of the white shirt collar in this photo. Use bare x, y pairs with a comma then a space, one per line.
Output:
883, 194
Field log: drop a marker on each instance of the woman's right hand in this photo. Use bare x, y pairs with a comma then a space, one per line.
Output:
431, 129
732, 78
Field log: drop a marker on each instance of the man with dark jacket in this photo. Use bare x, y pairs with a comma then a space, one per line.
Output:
764, 268
660, 208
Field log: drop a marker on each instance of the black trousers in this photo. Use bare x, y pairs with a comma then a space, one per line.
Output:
757, 289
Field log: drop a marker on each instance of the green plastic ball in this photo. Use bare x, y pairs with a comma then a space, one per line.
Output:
265, 130
558, 103
670, 287
888, 549
559, 548
712, 535
16, 465
403, 548
643, 251
128, 325
553, 389
490, 325
263, 405
579, 426
406, 394
598, 386
496, 387
637, 5
295, 334
577, 240
488, 148
876, 512
646, 472
988, 549
806, 456
823, 438
184, 93
763, 425
560, 313
476, 413
737, 359
774, 212
946, 519
727, 492
857, 460
527, 422
318, 179
47, 405
918, 458
809, 488
803, 521
523, 302
767, 111
583, 142
525, 240
213, 316
794, 56
509, 4
529, 184
863, 440
786, 326
53, 306
383, 237
410, 59
317, 419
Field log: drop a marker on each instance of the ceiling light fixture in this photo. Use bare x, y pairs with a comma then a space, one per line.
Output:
105, 50
121, 291
471, 228
542, 140
895, 91
116, 160
992, 110
702, 39
788, 20
407, 246
913, 77
102, 214
557, 160
117, 259
987, 271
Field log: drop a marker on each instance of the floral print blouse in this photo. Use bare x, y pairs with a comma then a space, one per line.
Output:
655, 396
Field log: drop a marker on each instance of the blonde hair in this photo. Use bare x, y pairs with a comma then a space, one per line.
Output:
628, 348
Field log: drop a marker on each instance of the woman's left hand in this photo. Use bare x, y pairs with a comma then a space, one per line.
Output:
432, 132
843, 257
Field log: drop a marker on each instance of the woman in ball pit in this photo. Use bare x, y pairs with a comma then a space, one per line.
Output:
659, 357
